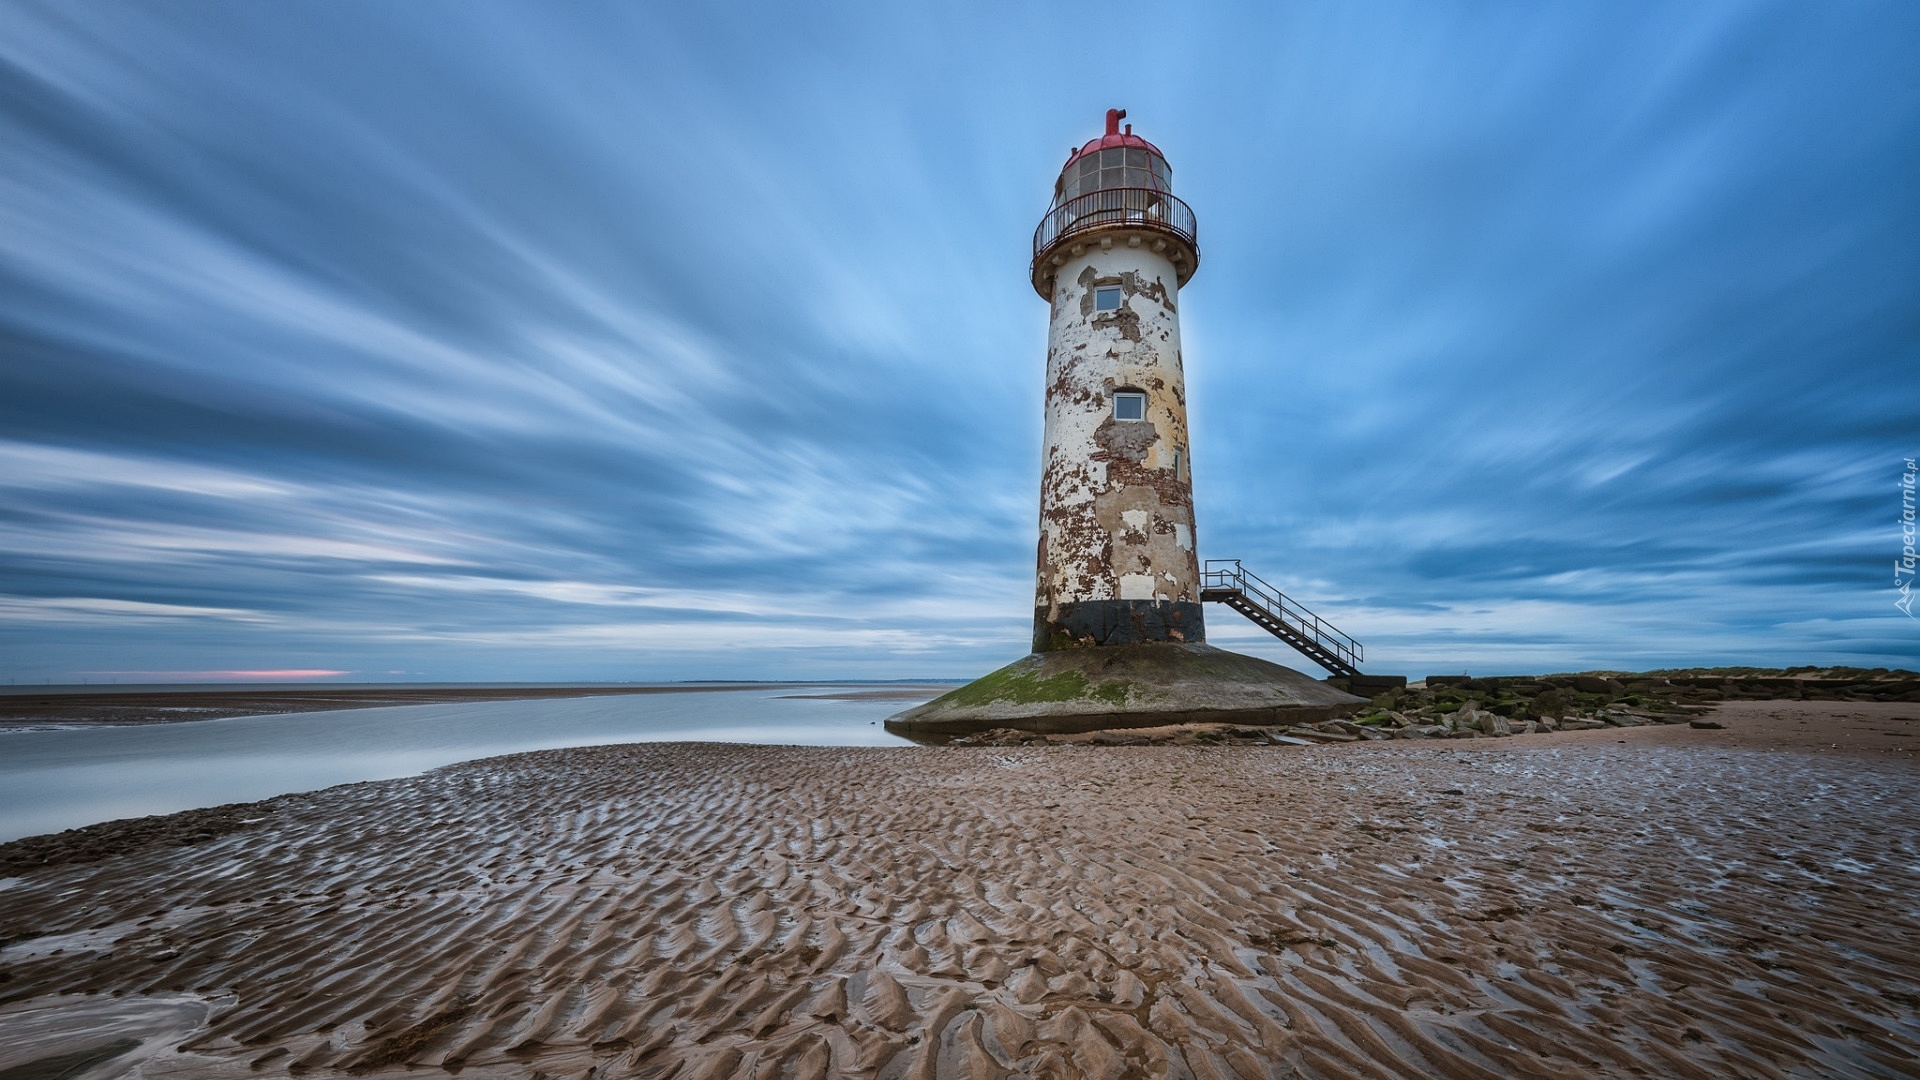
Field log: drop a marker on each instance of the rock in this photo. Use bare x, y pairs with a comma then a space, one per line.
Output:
1422, 731
1289, 740
1710, 725
1532, 726
1344, 727
1548, 704
1546, 723
1590, 684
997, 737
1474, 718
1578, 724
1321, 736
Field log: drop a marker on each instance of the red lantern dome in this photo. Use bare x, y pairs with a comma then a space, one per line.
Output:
1117, 159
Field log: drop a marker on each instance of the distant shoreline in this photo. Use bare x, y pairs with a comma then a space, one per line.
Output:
24, 707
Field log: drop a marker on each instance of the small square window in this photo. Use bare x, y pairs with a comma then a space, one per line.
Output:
1129, 406
1106, 298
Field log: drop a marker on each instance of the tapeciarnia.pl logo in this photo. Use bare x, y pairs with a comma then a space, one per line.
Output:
1903, 566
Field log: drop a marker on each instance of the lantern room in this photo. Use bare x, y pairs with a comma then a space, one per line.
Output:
1117, 188
1118, 159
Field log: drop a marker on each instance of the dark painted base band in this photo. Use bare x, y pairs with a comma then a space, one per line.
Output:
1117, 622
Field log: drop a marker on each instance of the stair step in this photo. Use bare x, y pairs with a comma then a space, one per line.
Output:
1268, 608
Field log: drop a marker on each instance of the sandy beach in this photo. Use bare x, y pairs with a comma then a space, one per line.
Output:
1653, 901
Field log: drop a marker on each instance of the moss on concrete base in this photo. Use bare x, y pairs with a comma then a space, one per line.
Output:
1073, 690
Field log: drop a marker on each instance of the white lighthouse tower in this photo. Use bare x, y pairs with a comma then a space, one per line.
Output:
1116, 560
1118, 635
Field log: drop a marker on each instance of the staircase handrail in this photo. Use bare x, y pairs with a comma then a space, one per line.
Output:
1246, 582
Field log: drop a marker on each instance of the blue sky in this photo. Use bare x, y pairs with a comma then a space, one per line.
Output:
619, 341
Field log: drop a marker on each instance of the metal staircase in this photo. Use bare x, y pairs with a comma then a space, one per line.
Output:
1225, 581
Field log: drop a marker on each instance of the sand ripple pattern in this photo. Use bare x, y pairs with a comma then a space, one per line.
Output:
717, 911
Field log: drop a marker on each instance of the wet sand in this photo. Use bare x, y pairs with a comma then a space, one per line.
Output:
1685, 902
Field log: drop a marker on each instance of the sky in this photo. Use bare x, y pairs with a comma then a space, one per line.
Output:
532, 342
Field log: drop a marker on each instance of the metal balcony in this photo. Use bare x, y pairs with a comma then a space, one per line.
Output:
1138, 208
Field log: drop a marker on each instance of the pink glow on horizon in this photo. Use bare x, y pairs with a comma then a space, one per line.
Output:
276, 673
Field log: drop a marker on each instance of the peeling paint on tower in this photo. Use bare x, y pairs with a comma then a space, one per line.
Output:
1116, 559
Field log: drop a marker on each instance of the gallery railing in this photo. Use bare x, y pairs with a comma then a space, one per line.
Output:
1144, 207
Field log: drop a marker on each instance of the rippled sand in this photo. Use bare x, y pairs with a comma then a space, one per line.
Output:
1561, 907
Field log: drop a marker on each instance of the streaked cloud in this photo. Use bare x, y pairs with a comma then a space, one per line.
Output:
489, 341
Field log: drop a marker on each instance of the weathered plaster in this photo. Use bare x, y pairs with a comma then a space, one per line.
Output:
1116, 497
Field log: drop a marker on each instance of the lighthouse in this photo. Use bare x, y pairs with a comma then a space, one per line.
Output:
1116, 559
1119, 639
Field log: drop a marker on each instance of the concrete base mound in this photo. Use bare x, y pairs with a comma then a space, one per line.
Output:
1126, 686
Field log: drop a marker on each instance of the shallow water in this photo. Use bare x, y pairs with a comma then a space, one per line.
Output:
59, 779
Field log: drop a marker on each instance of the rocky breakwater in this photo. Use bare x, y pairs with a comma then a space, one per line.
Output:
1494, 708
1462, 707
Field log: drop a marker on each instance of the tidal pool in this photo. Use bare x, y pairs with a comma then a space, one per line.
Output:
61, 778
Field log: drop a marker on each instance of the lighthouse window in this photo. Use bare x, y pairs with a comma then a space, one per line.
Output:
1106, 298
1129, 406
1114, 167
